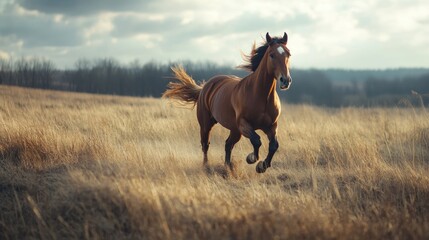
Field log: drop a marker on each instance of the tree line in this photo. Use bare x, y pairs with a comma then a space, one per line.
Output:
33, 72
109, 76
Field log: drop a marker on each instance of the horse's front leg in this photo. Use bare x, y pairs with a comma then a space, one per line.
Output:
272, 148
247, 130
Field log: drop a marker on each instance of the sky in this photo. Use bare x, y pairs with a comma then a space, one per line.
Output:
322, 33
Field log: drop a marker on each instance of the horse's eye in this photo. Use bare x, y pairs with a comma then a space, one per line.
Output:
271, 55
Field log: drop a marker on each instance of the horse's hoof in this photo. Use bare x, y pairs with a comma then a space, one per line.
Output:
260, 167
251, 159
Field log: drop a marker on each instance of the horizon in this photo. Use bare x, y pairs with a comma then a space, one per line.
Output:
322, 35
196, 64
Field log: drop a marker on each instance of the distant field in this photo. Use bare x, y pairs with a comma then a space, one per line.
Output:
89, 166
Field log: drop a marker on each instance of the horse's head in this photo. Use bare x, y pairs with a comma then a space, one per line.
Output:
278, 60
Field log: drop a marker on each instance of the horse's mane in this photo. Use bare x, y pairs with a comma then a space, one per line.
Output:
253, 60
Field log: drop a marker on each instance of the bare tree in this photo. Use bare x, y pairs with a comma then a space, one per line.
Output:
80, 76
22, 72
4, 70
46, 73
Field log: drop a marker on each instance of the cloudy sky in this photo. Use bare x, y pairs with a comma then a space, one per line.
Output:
322, 33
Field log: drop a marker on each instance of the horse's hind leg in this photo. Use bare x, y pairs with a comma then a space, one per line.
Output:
234, 137
205, 134
206, 123
247, 130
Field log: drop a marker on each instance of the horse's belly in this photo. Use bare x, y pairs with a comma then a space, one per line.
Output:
223, 112
217, 97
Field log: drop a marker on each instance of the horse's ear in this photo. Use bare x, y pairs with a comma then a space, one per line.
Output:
268, 38
284, 39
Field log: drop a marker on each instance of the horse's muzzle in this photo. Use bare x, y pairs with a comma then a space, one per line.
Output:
285, 83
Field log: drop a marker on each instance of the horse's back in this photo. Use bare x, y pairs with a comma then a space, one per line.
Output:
215, 97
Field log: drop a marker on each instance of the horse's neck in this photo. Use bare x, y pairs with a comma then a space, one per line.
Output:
262, 83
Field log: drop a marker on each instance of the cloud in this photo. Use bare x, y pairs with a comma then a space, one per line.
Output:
4, 55
129, 25
178, 38
177, 29
329, 33
38, 30
82, 7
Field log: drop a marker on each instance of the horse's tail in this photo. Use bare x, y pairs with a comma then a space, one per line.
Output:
186, 90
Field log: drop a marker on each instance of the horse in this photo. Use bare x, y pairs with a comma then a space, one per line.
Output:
240, 105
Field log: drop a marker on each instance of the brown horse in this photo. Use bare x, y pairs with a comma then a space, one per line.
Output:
240, 105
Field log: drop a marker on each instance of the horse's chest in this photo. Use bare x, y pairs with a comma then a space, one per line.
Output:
260, 116
264, 119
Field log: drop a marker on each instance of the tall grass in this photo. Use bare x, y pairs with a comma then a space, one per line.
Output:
87, 166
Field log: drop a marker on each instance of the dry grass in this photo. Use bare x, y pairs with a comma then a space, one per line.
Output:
86, 166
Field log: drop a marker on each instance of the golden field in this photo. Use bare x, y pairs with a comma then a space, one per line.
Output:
86, 166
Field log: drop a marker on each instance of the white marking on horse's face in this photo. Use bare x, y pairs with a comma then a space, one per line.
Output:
280, 50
